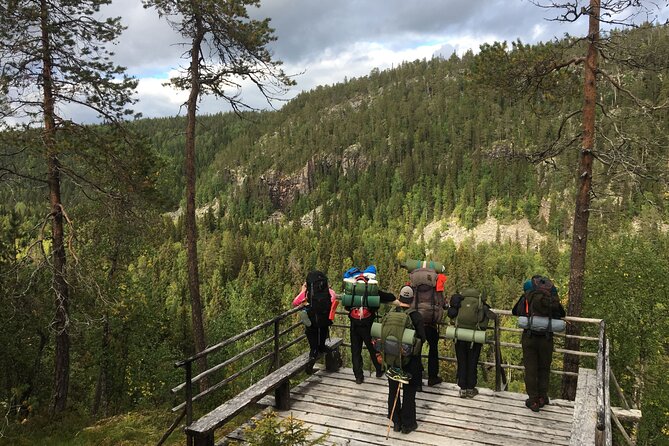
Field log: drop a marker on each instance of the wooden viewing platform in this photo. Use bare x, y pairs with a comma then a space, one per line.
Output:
355, 414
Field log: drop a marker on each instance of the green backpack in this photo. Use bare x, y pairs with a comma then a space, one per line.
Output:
398, 338
471, 314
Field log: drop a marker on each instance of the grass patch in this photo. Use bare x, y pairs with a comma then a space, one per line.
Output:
130, 429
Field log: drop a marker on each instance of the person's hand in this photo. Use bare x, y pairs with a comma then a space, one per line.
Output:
304, 287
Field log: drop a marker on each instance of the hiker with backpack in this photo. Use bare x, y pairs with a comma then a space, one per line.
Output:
428, 288
470, 313
363, 315
541, 307
402, 334
320, 304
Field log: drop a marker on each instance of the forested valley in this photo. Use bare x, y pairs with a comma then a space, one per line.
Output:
409, 162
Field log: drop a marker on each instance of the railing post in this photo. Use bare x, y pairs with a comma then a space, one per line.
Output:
277, 363
189, 399
498, 358
602, 382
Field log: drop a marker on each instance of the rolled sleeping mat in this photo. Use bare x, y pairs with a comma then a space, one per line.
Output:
360, 301
407, 336
466, 334
352, 286
541, 323
412, 264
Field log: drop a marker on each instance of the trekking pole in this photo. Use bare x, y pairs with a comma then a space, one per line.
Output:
392, 411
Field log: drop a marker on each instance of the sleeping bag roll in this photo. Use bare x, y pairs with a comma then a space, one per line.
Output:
407, 336
541, 323
412, 264
466, 334
360, 301
360, 287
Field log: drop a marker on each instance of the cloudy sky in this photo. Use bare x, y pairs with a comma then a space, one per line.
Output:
328, 41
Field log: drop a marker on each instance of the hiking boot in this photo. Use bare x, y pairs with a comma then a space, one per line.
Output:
397, 374
532, 404
379, 373
397, 427
543, 401
359, 379
462, 393
419, 387
471, 393
409, 429
434, 381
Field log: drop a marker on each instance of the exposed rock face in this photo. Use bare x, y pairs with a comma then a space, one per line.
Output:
284, 189
353, 160
487, 231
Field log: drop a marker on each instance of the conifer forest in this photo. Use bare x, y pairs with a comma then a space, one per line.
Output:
473, 160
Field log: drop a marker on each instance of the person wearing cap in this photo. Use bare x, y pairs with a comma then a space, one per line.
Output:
404, 414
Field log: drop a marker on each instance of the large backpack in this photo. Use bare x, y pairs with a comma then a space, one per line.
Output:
318, 297
427, 300
540, 297
471, 314
398, 338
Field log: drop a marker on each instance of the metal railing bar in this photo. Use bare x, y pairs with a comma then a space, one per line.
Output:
229, 341
225, 381
225, 363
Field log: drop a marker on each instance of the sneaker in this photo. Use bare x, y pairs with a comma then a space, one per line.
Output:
471, 393
379, 373
434, 381
543, 401
409, 429
359, 379
462, 393
397, 374
532, 404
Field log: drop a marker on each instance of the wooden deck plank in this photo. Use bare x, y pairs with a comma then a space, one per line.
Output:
356, 414
451, 402
452, 419
474, 432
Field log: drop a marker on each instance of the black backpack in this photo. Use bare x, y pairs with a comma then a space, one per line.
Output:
318, 298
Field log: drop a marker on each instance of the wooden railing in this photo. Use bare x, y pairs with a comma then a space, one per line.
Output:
272, 359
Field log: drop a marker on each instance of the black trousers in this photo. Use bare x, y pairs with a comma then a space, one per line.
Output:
361, 334
537, 358
405, 407
468, 358
316, 337
432, 337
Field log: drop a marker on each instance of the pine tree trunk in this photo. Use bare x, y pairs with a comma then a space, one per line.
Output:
61, 319
191, 224
582, 212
